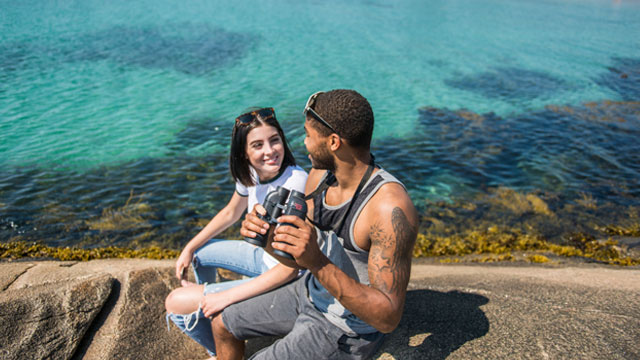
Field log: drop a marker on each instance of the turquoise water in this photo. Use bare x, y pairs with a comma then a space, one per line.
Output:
100, 100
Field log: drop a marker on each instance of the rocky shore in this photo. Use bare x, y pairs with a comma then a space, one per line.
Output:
113, 309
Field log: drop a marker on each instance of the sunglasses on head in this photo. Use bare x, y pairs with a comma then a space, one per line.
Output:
264, 114
309, 110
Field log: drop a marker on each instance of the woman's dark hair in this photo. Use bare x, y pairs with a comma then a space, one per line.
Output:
238, 162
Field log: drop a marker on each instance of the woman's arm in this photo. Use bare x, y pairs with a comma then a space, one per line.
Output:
223, 219
269, 280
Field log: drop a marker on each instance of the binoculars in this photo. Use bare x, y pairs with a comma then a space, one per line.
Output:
277, 203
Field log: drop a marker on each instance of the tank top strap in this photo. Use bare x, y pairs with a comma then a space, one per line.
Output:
380, 178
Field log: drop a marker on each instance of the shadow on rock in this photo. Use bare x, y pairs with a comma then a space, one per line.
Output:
435, 324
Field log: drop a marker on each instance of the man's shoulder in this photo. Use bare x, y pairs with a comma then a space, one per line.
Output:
388, 199
313, 179
390, 195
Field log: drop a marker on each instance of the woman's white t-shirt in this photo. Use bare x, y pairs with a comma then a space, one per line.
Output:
292, 178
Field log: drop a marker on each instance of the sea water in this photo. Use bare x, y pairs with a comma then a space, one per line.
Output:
115, 116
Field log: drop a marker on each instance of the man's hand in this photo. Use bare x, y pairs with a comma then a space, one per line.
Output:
299, 240
252, 224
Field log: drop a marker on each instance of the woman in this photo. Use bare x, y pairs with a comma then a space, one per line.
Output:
260, 161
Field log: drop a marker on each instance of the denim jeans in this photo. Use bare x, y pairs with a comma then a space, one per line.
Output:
235, 255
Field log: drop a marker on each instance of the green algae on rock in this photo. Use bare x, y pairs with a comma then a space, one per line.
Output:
132, 215
502, 221
17, 250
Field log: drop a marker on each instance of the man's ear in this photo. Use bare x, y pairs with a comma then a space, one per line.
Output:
334, 142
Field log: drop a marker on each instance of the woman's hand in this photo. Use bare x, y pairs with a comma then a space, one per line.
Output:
253, 225
214, 303
182, 264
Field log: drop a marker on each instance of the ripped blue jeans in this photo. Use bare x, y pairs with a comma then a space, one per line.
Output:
235, 255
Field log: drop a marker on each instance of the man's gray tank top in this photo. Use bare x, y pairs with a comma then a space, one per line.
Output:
342, 250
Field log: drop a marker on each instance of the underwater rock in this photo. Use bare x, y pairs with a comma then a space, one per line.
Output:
129, 216
509, 83
564, 149
520, 203
194, 49
607, 111
623, 78
198, 133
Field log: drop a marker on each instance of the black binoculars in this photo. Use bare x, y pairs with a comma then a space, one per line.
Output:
277, 203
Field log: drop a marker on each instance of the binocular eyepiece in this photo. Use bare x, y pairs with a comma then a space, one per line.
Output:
280, 202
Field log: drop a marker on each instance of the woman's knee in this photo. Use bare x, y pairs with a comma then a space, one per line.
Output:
170, 302
184, 300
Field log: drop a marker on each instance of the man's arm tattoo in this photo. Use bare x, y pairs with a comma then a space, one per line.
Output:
405, 238
393, 256
381, 243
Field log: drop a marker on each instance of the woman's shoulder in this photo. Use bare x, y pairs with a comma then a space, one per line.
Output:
294, 178
296, 170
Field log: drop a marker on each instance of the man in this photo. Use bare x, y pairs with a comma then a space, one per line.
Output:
357, 247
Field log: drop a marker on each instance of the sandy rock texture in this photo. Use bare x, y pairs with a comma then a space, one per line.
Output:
101, 309
114, 309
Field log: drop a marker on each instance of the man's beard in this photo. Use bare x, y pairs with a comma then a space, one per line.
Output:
323, 160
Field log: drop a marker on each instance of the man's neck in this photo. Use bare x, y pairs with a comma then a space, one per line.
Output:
349, 173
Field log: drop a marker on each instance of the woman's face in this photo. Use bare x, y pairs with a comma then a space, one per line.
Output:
265, 151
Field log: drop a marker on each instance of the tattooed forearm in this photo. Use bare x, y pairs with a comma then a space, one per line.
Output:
391, 253
405, 238
380, 257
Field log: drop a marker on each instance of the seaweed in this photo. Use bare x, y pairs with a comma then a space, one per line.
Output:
537, 258
503, 222
131, 215
19, 249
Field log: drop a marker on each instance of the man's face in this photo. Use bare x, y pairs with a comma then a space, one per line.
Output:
320, 156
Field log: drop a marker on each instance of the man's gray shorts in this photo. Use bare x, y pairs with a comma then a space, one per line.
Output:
309, 335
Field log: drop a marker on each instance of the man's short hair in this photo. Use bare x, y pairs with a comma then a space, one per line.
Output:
349, 113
